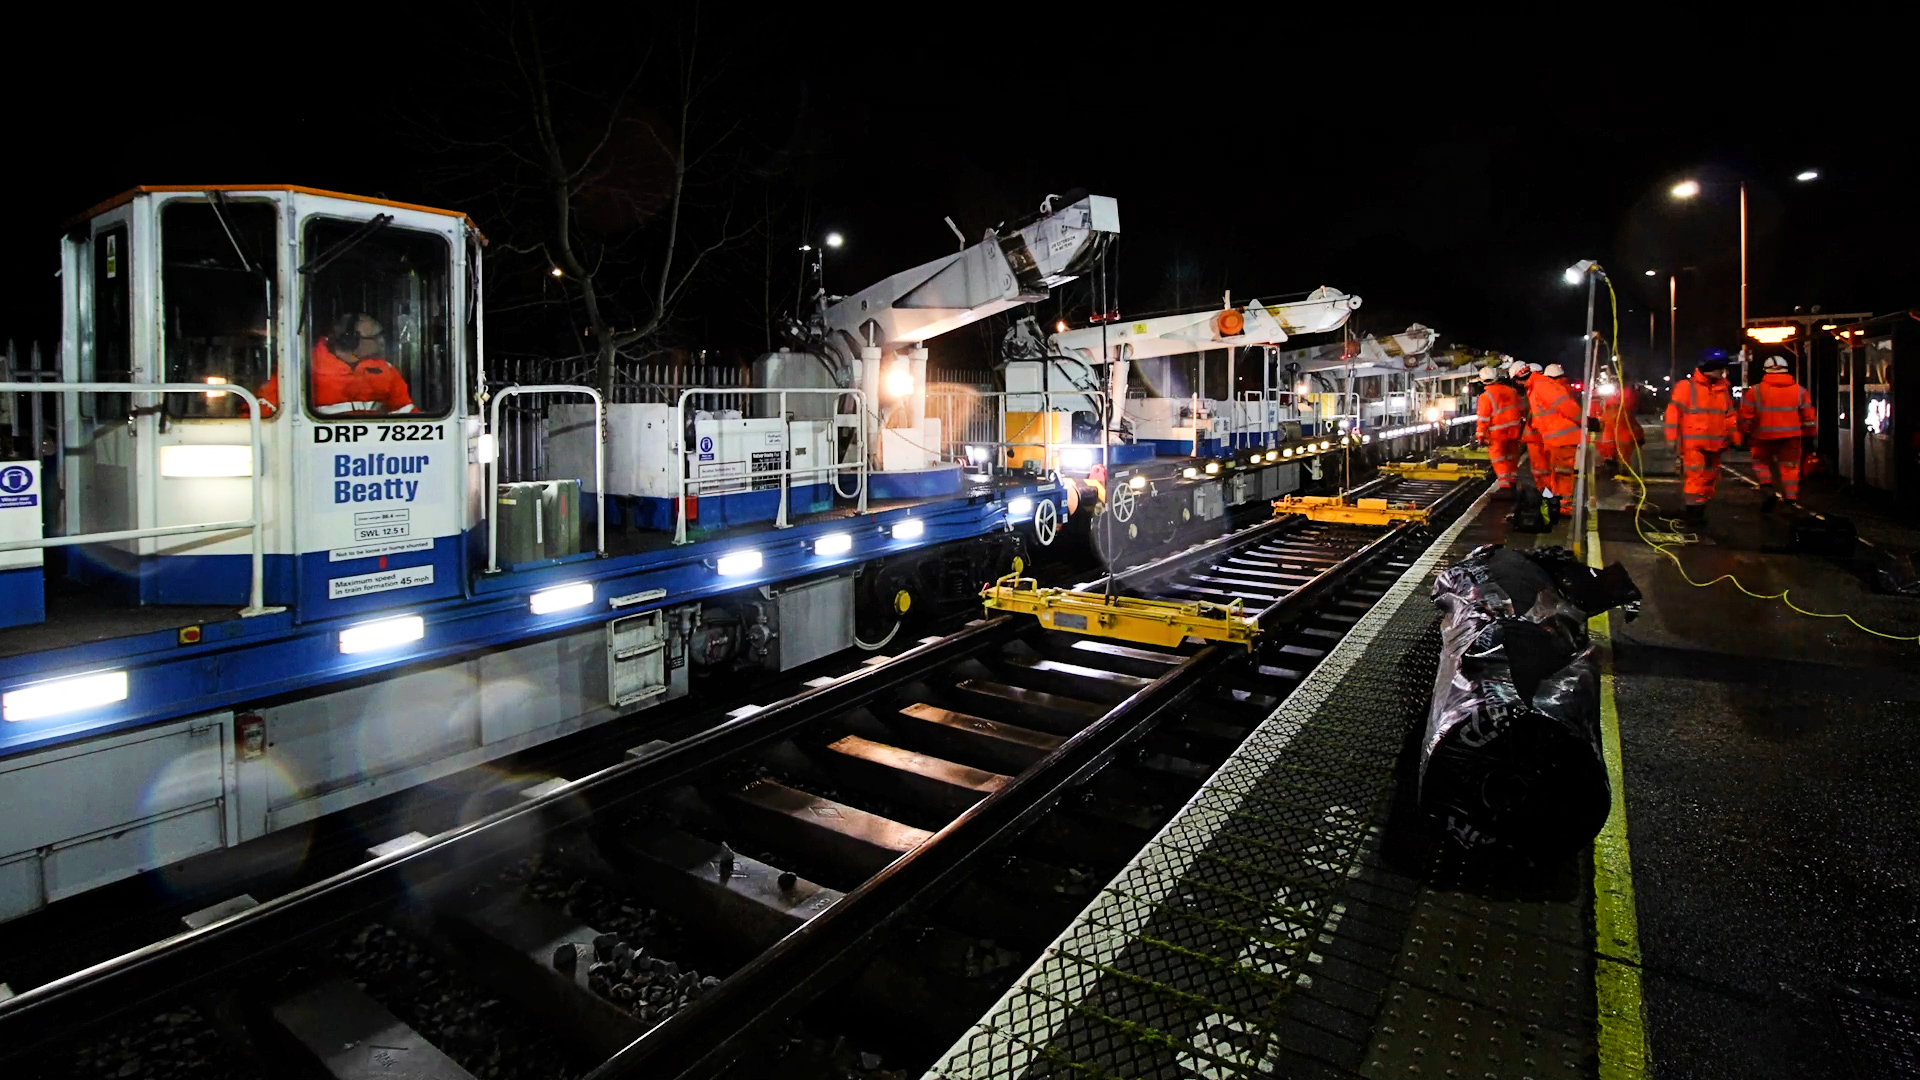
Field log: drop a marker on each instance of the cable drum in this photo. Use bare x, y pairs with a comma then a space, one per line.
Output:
1511, 763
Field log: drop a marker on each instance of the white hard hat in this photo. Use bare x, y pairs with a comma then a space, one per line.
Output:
1774, 363
1518, 367
1534, 367
1554, 371
1489, 374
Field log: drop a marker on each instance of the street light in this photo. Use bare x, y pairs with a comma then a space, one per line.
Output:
1589, 269
831, 240
1687, 189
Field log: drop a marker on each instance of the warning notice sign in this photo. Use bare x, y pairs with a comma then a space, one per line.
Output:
381, 581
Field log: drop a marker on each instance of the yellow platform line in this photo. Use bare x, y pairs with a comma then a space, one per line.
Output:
1616, 973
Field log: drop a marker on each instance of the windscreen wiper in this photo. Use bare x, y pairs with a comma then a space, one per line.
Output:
217, 200
324, 259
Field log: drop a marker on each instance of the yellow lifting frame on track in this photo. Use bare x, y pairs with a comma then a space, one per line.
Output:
1336, 508
1420, 470
1148, 622
1464, 453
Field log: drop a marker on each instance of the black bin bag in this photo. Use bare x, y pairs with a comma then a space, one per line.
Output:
1511, 764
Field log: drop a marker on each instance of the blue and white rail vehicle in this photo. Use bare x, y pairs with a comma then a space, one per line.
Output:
287, 581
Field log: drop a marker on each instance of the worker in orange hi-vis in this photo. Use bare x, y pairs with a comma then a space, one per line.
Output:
1539, 465
1501, 415
1614, 405
1778, 420
349, 375
1554, 412
1701, 423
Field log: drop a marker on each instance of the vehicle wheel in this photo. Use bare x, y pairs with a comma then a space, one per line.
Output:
1046, 522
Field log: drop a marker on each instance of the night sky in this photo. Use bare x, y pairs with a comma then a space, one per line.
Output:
1443, 176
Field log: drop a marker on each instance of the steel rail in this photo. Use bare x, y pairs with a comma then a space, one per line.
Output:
252, 939
1332, 577
249, 940
1206, 550
703, 1040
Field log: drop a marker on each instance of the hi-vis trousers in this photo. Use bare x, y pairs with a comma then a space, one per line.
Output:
1701, 473
1504, 454
1784, 453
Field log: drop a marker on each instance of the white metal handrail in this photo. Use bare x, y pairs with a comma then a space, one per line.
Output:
787, 471
1276, 407
256, 597
1002, 443
1097, 397
493, 455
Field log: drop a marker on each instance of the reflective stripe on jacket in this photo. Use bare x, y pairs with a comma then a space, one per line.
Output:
1499, 412
1527, 434
1778, 408
370, 386
367, 386
1701, 413
1556, 415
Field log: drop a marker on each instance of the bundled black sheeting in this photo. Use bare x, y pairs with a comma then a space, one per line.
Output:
1511, 763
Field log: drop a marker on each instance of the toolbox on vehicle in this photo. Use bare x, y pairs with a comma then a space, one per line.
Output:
539, 519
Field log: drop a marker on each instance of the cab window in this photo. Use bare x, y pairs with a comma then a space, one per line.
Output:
106, 347
377, 329
216, 289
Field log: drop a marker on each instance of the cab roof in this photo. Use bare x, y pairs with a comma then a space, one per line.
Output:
127, 196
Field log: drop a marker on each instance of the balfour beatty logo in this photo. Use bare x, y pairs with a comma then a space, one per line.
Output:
388, 465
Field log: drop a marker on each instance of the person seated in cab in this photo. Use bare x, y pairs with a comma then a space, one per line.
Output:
350, 374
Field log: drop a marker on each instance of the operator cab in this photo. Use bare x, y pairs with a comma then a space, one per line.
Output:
351, 321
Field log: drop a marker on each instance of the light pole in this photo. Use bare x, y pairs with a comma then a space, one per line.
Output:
832, 240
1591, 271
1687, 189
1673, 317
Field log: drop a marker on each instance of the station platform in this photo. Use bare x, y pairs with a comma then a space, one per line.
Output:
1770, 760
1746, 912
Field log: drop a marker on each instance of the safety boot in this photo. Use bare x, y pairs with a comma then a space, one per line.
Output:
1768, 501
1553, 510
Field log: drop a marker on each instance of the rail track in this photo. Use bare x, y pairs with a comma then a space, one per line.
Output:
874, 860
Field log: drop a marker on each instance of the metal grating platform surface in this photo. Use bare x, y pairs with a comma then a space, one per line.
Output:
1269, 930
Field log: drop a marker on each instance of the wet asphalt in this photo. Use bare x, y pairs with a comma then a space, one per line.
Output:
1772, 766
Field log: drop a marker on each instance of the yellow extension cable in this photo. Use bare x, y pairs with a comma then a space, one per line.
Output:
1665, 549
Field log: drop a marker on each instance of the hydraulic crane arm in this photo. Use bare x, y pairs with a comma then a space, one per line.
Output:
1407, 349
1324, 309
1004, 270
1116, 346
885, 326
